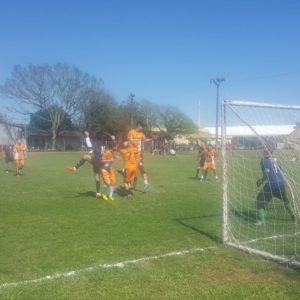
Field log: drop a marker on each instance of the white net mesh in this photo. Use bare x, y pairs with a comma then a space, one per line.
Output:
248, 129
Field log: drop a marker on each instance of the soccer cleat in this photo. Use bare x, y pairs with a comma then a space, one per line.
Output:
104, 197
111, 198
121, 171
71, 168
146, 186
98, 195
259, 223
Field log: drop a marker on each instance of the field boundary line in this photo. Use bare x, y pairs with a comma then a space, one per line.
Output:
121, 264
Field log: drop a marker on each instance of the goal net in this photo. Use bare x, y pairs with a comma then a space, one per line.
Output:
259, 219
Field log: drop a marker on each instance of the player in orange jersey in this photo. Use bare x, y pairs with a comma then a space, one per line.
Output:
209, 164
19, 156
129, 155
136, 139
107, 171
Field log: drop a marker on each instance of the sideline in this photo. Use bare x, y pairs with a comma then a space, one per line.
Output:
102, 266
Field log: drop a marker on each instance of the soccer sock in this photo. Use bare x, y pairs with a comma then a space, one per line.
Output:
134, 182
146, 181
261, 215
111, 190
205, 174
80, 163
98, 186
289, 209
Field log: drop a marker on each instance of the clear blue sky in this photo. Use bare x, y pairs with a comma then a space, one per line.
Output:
165, 51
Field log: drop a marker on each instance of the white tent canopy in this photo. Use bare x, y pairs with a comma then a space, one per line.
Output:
264, 130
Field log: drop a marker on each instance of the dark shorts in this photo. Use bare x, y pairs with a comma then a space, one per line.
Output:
267, 193
201, 162
9, 157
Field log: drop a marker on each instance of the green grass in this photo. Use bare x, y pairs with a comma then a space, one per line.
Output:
51, 223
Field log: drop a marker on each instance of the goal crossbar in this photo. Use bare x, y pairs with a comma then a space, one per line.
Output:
260, 104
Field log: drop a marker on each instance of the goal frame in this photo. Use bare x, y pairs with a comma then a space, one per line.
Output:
227, 237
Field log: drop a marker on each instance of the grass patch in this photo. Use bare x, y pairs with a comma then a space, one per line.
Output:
52, 223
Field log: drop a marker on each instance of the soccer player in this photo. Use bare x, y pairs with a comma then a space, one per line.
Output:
9, 155
19, 156
107, 171
201, 160
274, 186
130, 157
87, 156
136, 139
209, 164
93, 156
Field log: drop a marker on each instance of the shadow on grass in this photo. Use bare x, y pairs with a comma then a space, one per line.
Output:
87, 194
210, 235
120, 191
209, 179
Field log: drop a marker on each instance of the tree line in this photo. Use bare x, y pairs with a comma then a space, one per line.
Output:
62, 97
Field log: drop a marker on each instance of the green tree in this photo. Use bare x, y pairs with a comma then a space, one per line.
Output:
99, 112
41, 120
176, 122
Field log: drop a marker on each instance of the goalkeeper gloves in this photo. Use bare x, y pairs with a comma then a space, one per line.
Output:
259, 182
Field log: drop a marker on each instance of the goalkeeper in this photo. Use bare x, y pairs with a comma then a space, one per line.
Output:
274, 186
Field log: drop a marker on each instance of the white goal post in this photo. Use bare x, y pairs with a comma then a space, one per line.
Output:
249, 129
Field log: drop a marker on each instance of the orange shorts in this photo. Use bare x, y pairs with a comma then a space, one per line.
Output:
130, 174
109, 176
209, 165
19, 160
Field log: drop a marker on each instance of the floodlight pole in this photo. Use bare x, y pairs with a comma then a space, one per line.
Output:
131, 97
217, 83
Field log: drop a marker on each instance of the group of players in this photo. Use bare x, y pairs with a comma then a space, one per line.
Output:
15, 153
101, 154
101, 158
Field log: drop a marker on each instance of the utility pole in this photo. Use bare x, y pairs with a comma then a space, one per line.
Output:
131, 98
217, 82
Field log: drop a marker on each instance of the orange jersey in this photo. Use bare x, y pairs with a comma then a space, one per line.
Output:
19, 151
19, 148
107, 159
130, 157
107, 156
210, 156
136, 139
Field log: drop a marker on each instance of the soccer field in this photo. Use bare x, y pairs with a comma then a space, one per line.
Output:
59, 242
